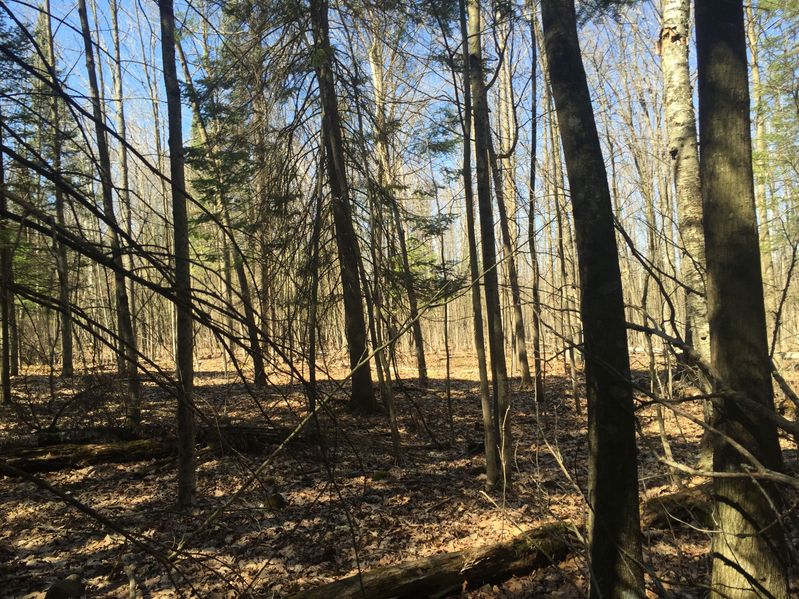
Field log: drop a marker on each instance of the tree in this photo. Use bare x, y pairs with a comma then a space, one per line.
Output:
748, 548
362, 399
496, 343
182, 287
67, 368
505, 186
383, 133
538, 370
127, 352
6, 299
681, 126
614, 527
489, 435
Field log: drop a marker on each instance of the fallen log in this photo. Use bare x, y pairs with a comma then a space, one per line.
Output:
100, 434
444, 573
690, 505
60, 457
240, 438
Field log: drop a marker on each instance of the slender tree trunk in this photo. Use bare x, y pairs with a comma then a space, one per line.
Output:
13, 329
564, 297
6, 299
67, 367
749, 551
761, 169
508, 249
127, 341
374, 308
363, 398
538, 370
496, 343
505, 185
386, 181
681, 126
614, 527
127, 213
490, 439
416, 326
314, 299
259, 372
182, 291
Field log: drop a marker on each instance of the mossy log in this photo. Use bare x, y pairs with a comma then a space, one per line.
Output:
690, 505
444, 573
67, 455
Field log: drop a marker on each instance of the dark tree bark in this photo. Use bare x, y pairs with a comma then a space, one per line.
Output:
749, 552
614, 529
538, 371
489, 438
127, 341
496, 342
13, 329
182, 292
363, 398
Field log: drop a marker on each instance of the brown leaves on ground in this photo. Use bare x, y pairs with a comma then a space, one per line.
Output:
344, 503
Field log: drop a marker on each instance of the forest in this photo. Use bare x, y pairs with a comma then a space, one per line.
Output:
380, 299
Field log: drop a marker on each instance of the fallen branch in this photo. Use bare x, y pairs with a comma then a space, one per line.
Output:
444, 573
60, 457
690, 505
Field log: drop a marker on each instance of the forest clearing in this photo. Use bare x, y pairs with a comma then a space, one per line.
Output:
434, 298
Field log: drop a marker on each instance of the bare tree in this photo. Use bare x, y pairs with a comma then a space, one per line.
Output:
749, 554
127, 341
614, 527
496, 343
363, 398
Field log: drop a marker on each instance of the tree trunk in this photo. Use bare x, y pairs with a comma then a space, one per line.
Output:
363, 398
314, 283
614, 528
505, 184
508, 249
749, 551
770, 288
444, 574
67, 368
388, 186
13, 327
182, 291
691, 505
52, 458
681, 126
127, 342
490, 440
496, 343
6, 299
538, 371
127, 214
259, 373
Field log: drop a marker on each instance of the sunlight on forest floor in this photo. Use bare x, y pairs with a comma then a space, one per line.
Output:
390, 513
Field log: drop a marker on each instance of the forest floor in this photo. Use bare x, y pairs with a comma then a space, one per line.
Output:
353, 507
